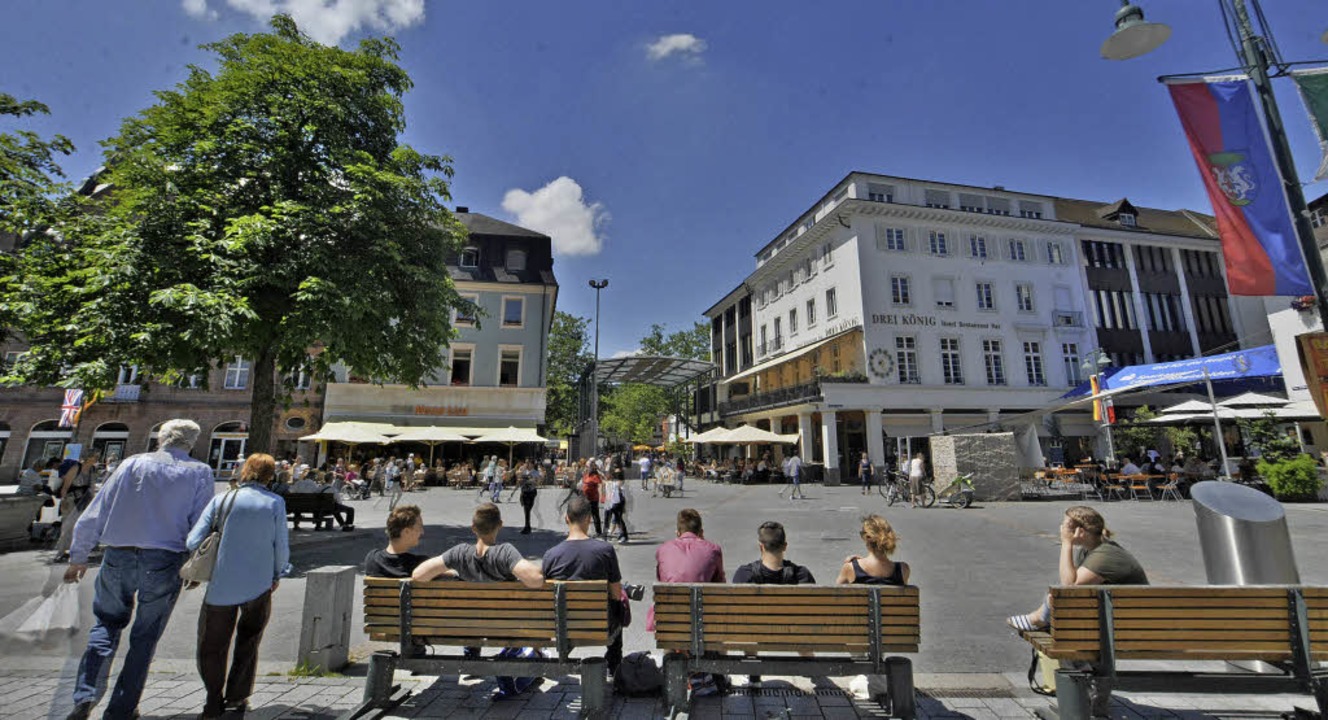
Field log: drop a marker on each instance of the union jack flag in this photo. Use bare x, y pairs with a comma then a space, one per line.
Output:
72, 406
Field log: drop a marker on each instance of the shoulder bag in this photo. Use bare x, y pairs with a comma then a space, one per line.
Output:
198, 568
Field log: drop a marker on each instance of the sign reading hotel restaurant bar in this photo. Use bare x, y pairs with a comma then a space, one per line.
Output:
442, 410
914, 319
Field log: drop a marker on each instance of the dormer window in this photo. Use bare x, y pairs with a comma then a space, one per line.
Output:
516, 260
470, 257
1127, 219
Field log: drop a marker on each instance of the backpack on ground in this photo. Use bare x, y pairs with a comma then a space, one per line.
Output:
509, 687
638, 676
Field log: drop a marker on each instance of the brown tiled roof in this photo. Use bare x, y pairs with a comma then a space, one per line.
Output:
1184, 223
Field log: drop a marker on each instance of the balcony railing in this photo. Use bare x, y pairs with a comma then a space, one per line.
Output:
1067, 318
773, 398
125, 393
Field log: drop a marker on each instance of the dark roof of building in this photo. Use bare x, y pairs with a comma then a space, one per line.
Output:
493, 238
479, 224
1183, 223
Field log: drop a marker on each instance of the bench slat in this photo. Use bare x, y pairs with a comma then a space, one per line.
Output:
492, 606
811, 591
1168, 601
1180, 636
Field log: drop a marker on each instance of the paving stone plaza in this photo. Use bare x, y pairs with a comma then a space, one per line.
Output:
974, 567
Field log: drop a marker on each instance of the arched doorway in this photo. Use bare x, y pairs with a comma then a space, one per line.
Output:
46, 440
228, 441
109, 440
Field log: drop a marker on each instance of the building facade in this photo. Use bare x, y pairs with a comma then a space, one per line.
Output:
897, 308
494, 372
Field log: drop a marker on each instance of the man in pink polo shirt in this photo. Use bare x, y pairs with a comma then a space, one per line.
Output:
689, 558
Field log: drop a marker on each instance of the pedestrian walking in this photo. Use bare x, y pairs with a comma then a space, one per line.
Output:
76, 493
590, 487
142, 515
917, 472
865, 472
529, 491
252, 557
793, 471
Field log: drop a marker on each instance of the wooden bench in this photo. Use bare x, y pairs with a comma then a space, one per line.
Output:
558, 617
318, 506
1100, 626
805, 630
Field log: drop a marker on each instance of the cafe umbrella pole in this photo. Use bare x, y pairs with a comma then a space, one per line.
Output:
1217, 426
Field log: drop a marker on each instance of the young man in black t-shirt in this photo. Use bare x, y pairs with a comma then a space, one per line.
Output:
581, 557
405, 527
772, 568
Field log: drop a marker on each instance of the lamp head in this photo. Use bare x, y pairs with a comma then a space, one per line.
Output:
1133, 36
599, 284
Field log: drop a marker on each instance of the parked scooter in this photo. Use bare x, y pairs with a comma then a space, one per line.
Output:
958, 494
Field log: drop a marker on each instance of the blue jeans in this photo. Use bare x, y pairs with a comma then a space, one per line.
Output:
152, 577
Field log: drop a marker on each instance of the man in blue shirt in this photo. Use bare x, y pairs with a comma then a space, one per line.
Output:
142, 514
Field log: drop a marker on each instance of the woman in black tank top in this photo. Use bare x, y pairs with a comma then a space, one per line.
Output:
876, 568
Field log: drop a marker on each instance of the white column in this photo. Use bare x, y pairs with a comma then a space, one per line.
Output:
807, 443
1186, 303
1139, 314
875, 447
937, 423
830, 444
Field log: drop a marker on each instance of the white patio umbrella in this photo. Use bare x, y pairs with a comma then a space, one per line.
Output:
751, 435
350, 433
430, 435
511, 436
713, 435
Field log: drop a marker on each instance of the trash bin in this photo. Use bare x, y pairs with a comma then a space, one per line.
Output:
1243, 535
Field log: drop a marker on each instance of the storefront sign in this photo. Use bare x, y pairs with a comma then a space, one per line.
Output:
442, 410
913, 319
841, 326
1314, 361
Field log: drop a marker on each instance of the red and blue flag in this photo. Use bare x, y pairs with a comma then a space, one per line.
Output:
1254, 221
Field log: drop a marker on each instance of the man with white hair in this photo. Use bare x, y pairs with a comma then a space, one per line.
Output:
142, 515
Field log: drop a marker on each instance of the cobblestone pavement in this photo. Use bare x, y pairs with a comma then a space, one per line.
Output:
40, 694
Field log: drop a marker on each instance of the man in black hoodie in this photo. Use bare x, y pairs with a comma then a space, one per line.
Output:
772, 568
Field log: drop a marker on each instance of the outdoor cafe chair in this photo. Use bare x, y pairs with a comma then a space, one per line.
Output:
1114, 485
1170, 487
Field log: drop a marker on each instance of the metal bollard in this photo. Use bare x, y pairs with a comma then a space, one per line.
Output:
1072, 695
899, 681
593, 682
378, 680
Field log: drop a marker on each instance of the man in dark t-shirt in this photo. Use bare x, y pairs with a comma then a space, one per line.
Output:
580, 557
405, 527
772, 568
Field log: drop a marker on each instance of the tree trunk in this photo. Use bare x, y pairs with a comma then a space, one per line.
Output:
263, 403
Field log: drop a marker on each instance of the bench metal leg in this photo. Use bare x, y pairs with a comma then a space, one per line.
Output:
675, 681
379, 692
899, 681
593, 684
1073, 695
1320, 687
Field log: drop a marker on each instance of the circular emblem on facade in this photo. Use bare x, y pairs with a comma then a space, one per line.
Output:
881, 363
1234, 176
1242, 364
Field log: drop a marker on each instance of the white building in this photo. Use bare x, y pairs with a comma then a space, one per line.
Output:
896, 308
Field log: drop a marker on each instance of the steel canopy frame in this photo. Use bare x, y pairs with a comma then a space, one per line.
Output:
667, 372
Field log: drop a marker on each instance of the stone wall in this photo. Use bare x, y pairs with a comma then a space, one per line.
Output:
993, 458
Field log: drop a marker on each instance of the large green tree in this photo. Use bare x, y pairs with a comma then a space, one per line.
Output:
265, 209
569, 356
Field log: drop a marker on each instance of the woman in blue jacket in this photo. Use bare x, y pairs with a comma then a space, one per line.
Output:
253, 556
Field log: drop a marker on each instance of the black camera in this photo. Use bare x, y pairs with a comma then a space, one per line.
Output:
634, 592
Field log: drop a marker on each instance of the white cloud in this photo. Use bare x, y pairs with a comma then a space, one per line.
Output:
685, 45
327, 21
625, 354
560, 211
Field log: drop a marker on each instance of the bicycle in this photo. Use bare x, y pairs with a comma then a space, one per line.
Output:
959, 493
895, 488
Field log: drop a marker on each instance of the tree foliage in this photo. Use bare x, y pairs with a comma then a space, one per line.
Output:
631, 413
261, 209
30, 174
569, 356
1135, 436
693, 344
1267, 436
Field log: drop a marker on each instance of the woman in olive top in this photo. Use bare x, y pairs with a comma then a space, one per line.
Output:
1088, 557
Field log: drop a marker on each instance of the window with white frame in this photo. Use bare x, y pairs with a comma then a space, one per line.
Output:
192, 381
937, 243
901, 290
237, 374
994, 361
1033, 363
1318, 218
12, 357
1029, 209
952, 367
514, 312
299, 379
470, 257
793, 320
463, 358
906, 359
1018, 250
1055, 253
943, 290
509, 367
468, 310
831, 303
1128, 219
128, 375
986, 296
1070, 357
828, 254
889, 239
811, 312
1023, 293
977, 247
516, 260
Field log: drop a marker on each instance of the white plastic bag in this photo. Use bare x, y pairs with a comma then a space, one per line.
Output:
10, 623
56, 614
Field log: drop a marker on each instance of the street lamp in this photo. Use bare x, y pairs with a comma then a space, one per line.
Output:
594, 382
1093, 364
1257, 53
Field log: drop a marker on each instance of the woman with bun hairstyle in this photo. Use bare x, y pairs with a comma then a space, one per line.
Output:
1088, 557
876, 567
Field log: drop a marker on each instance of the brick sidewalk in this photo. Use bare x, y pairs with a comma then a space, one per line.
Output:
33, 694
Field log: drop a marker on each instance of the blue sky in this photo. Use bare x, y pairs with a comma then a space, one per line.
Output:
663, 143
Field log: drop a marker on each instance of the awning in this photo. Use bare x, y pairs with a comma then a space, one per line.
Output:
429, 434
794, 355
751, 435
713, 435
348, 433
1259, 362
511, 435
